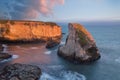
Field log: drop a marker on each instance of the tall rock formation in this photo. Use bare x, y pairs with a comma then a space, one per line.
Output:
80, 46
11, 30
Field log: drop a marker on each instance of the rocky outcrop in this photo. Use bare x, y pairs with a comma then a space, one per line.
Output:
20, 72
52, 43
80, 46
4, 56
1, 48
25, 31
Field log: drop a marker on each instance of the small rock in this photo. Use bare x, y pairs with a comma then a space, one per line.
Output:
4, 56
51, 44
19, 71
1, 48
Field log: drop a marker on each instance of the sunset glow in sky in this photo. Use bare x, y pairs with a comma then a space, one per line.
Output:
57, 10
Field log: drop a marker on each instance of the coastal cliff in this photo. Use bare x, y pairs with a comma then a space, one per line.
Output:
80, 46
13, 31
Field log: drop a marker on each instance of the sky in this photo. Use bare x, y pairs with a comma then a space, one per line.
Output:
60, 10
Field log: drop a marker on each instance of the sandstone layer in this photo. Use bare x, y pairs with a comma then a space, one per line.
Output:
80, 46
25, 31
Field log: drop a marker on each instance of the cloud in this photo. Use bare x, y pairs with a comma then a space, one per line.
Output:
47, 5
27, 9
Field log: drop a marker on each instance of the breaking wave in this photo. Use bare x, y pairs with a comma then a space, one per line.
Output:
48, 52
13, 57
62, 43
64, 75
34, 48
117, 60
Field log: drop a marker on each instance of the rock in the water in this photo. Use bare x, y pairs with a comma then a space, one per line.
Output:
63, 33
1, 49
80, 46
4, 56
20, 72
28, 31
52, 43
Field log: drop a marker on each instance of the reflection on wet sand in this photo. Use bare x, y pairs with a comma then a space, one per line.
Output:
29, 53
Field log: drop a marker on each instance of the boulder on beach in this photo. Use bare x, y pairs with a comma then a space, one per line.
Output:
19, 71
80, 47
28, 31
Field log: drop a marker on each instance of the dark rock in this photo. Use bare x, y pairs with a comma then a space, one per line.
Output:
80, 46
4, 56
63, 33
52, 42
20, 72
1, 48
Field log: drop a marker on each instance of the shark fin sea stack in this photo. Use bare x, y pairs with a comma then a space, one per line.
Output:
80, 46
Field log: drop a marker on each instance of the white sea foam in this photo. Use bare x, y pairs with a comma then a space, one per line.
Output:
62, 43
56, 50
13, 57
4, 48
117, 60
65, 75
56, 66
4, 45
69, 75
18, 46
46, 76
34, 48
48, 52
6, 60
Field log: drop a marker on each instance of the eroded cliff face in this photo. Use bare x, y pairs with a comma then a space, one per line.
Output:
80, 46
11, 30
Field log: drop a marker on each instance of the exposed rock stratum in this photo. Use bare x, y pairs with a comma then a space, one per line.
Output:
24, 31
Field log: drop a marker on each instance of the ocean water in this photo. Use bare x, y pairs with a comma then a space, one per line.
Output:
107, 36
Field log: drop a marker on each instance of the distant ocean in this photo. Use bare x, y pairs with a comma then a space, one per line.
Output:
107, 37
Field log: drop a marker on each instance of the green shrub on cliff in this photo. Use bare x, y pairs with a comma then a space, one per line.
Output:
82, 38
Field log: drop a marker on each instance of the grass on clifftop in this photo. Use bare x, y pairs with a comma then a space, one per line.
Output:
82, 38
12, 22
82, 34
